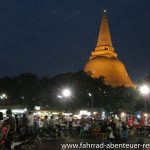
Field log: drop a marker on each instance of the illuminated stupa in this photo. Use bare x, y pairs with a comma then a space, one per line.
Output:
104, 61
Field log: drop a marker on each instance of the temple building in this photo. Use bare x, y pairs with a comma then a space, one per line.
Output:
104, 61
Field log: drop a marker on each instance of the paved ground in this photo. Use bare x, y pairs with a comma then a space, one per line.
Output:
56, 145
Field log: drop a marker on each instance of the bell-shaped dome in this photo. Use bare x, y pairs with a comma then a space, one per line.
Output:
104, 61
112, 69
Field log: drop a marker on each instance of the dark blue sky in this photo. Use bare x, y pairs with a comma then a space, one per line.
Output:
48, 37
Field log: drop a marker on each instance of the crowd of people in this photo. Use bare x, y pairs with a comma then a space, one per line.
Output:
111, 129
14, 125
8, 129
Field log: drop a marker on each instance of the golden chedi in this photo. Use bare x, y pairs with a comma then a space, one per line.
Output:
104, 61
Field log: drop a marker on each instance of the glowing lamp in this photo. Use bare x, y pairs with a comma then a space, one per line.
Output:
144, 89
145, 115
138, 116
66, 92
123, 114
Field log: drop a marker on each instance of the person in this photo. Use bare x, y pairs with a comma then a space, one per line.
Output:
87, 127
1, 124
1, 119
24, 123
85, 130
3, 132
96, 126
17, 124
30, 118
111, 136
124, 132
46, 123
11, 124
36, 125
52, 126
52, 123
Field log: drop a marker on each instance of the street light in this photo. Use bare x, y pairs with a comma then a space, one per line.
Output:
91, 99
59, 96
144, 90
66, 92
3, 96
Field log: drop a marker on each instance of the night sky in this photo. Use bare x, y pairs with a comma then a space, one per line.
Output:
49, 37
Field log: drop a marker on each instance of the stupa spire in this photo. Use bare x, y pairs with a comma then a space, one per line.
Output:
104, 38
104, 45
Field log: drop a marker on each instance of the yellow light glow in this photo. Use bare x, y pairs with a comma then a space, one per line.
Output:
145, 115
94, 113
104, 61
123, 114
